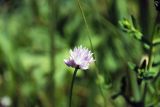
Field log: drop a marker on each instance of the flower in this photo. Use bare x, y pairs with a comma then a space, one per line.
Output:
80, 57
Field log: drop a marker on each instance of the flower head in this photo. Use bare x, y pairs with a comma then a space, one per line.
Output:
80, 57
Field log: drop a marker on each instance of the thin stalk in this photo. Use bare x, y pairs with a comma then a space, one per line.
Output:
52, 18
89, 37
51, 28
71, 88
145, 15
85, 21
152, 46
150, 54
89, 33
134, 86
145, 92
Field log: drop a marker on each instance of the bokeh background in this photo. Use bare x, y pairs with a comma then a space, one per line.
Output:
36, 36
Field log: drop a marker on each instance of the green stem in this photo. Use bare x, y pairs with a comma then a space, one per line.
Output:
134, 86
89, 37
85, 21
150, 54
152, 46
71, 88
51, 29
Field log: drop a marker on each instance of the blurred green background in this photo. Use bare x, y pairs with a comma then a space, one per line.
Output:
36, 36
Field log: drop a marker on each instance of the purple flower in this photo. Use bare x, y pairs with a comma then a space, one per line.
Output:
80, 58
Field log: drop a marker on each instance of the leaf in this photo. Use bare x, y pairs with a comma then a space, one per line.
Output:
156, 42
130, 29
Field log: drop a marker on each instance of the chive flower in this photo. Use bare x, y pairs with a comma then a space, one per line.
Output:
80, 57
